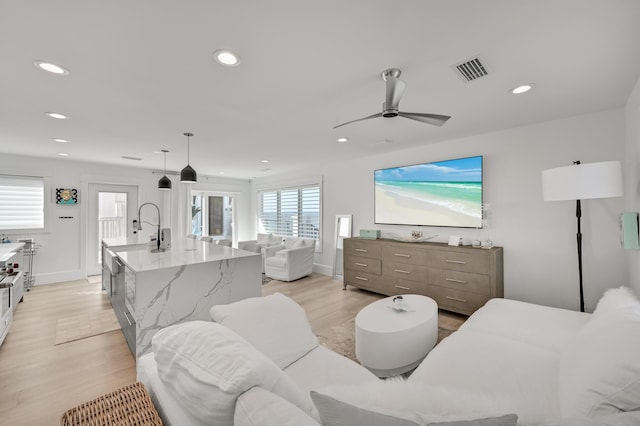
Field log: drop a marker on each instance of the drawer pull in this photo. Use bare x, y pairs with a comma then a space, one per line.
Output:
455, 281
362, 250
126, 316
362, 278
459, 262
401, 271
402, 288
401, 255
361, 264
456, 299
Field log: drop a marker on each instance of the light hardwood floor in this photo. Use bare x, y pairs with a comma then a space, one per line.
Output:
39, 380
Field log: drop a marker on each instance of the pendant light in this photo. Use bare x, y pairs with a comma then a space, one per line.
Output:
164, 183
188, 175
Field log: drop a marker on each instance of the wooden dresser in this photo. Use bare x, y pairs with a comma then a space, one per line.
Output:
459, 279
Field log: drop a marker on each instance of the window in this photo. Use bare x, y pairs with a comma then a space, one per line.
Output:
212, 215
291, 212
21, 203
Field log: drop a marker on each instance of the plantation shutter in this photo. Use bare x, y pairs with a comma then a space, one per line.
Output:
21, 202
291, 212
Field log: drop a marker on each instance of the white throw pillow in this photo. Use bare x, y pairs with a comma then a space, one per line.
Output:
299, 244
206, 367
259, 407
396, 402
334, 412
275, 325
264, 239
274, 239
600, 367
616, 299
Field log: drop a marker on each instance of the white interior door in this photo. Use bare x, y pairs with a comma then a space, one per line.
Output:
111, 211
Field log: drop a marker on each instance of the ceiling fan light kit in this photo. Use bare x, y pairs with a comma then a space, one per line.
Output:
188, 174
390, 108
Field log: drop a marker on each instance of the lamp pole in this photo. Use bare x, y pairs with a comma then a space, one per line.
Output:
579, 241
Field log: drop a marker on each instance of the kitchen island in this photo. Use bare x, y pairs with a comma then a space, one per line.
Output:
150, 291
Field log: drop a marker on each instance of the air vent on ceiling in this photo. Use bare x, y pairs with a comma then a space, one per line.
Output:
126, 157
471, 69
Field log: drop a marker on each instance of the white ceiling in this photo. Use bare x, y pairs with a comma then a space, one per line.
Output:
142, 74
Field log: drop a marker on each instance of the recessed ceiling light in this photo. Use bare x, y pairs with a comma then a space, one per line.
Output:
342, 140
60, 140
221, 173
51, 67
56, 115
264, 161
521, 89
226, 57
63, 154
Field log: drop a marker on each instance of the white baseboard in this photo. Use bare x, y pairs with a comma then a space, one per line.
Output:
323, 269
57, 277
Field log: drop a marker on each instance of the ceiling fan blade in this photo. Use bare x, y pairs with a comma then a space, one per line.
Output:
376, 115
395, 90
435, 119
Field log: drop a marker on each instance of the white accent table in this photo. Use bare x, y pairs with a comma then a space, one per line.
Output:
388, 342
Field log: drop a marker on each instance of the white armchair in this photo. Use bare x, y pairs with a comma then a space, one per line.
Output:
258, 245
290, 261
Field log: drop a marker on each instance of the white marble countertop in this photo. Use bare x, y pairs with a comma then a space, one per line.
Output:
182, 252
124, 241
10, 247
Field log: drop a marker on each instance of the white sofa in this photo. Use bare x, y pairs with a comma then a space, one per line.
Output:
291, 260
548, 366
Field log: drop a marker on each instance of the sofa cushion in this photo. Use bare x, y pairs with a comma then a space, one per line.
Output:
523, 374
275, 325
259, 407
405, 404
616, 299
600, 367
537, 325
620, 419
206, 366
336, 370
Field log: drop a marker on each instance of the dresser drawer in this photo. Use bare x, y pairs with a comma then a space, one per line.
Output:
364, 264
363, 280
465, 281
401, 286
456, 261
354, 247
405, 254
456, 300
405, 271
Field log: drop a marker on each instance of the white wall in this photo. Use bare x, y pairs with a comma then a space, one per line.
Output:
62, 256
538, 237
632, 173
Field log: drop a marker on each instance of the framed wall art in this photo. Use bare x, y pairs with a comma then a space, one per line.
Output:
66, 196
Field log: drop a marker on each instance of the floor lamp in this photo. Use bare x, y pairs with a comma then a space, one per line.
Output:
582, 182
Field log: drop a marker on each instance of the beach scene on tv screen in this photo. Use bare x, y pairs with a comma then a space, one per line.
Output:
445, 193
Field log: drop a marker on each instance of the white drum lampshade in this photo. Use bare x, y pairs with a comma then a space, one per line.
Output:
582, 181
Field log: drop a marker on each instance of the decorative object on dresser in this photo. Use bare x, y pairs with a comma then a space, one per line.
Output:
459, 279
581, 182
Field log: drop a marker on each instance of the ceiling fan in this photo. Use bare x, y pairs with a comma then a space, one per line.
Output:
395, 89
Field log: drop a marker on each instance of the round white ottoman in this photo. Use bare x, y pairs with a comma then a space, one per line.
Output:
388, 342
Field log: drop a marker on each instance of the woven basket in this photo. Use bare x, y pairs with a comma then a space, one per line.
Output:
127, 406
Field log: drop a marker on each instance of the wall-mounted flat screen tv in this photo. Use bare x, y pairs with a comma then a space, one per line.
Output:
442, 193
